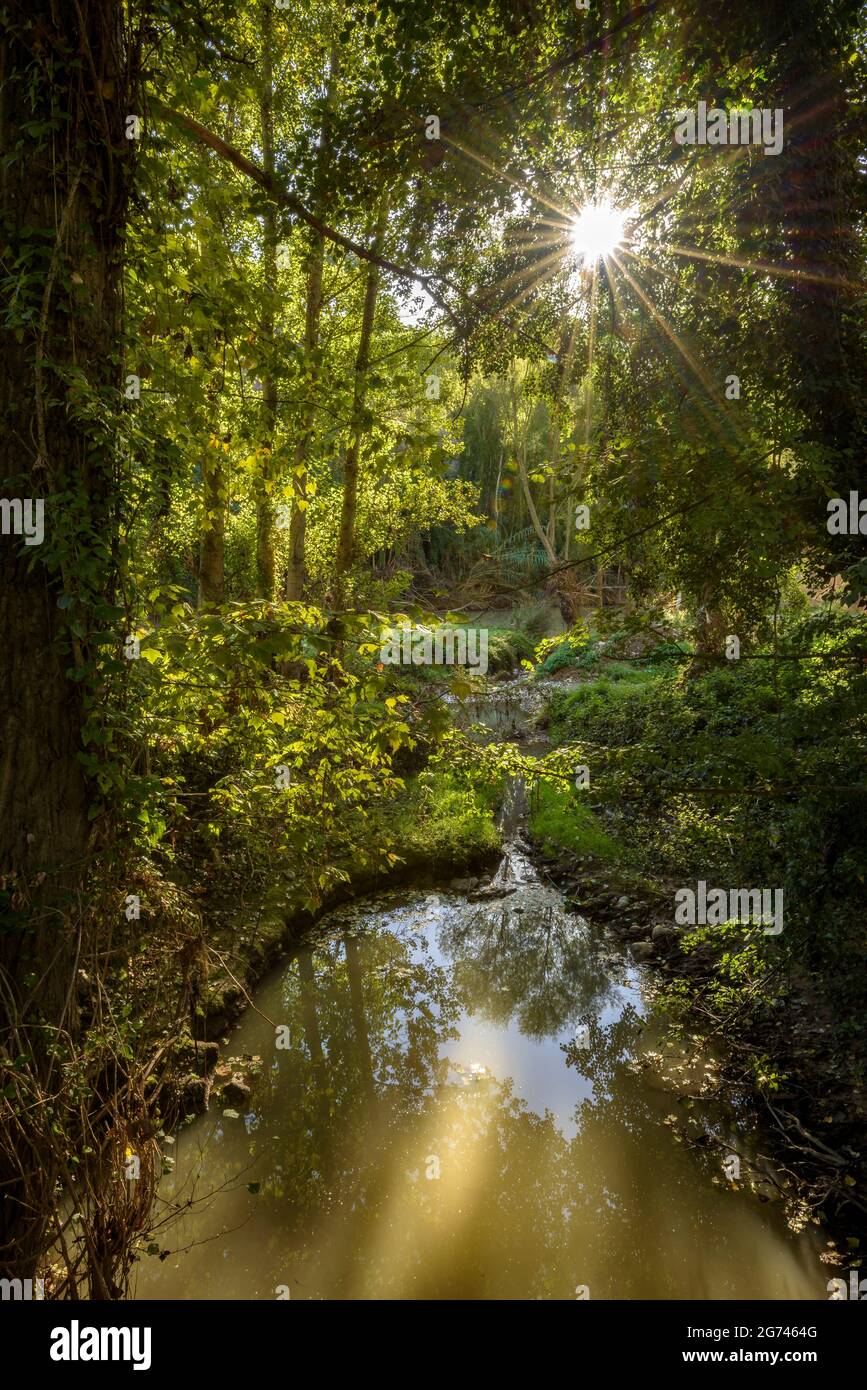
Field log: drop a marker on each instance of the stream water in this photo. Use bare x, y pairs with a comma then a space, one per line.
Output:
458, 1109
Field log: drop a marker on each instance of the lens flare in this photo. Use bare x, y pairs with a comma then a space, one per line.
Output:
597, 231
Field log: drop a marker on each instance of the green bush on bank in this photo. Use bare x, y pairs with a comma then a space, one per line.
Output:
507, 648
581, 650
748, 774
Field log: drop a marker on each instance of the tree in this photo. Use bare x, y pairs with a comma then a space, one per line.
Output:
70, 95
346, 537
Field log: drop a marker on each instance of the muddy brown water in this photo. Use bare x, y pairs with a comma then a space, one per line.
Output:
458, 1110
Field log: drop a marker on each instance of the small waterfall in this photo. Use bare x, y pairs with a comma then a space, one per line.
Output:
516, 868
513, 812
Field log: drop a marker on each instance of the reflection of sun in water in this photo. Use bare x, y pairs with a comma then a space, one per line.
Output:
597, 231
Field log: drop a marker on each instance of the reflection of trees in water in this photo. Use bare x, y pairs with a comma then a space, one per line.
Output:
633, 1187
367, 1019
344, 1201
523, 957
351, 1111
646, 1220
383, 1019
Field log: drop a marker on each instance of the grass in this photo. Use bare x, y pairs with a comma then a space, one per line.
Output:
610, 699
559, 821
442, 824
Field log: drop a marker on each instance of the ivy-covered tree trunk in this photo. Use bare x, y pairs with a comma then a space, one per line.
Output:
819, 192
66, 81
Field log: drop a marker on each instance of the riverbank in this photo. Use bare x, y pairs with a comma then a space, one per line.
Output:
777, 1057
694, 780
811, 1112
436, 831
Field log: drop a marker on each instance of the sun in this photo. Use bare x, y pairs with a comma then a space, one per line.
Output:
597, 231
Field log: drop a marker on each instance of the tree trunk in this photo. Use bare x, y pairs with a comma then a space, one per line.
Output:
496, 516
265, 514
346, 540
296, 575
817, 185
63, 202
709, 628
519, 443
212, 585
531, 508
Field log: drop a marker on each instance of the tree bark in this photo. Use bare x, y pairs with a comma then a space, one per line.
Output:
63, 202
297, 572
531, 508
212, 582
265, 513
346, 540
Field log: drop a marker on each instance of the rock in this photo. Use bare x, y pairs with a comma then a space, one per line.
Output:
700, 960
194, 1098
642, 950
623, 902
664, 934
492, 891
461, 885
703, 952
235, 1091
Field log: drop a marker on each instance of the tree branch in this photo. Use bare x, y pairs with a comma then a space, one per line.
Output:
271, 184
432, 284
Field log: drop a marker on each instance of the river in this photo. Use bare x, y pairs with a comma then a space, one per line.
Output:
461, 1107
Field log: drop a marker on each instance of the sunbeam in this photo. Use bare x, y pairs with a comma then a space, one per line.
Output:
597, 231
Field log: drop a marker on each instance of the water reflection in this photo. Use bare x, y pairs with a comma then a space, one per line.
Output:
526, 960
431, 1129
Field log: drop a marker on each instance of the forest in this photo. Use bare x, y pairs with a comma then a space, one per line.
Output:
433, 696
